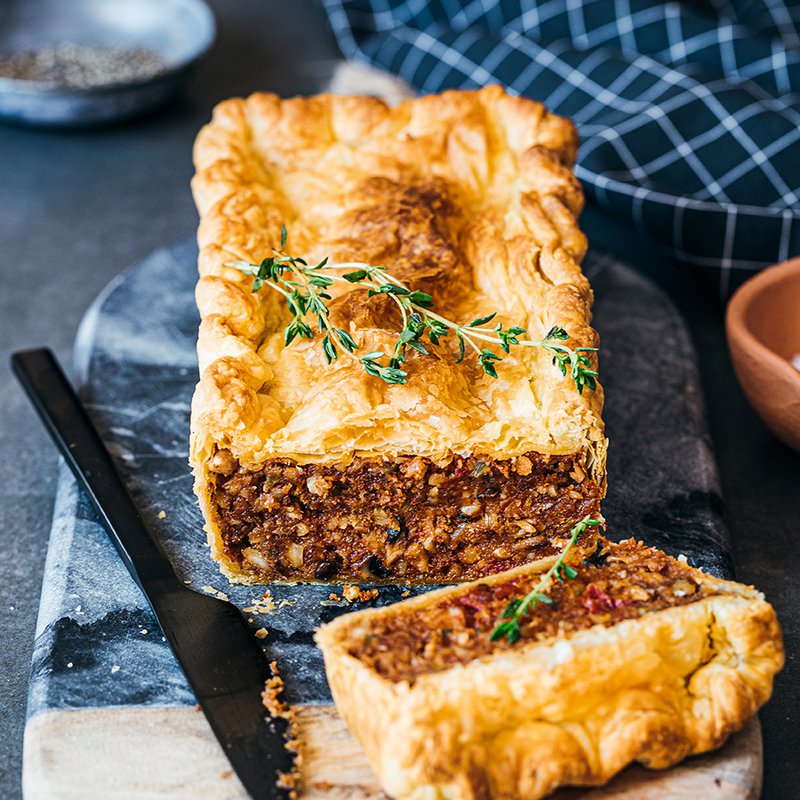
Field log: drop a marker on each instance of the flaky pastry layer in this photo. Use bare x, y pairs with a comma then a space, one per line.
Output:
467, 195
572, 709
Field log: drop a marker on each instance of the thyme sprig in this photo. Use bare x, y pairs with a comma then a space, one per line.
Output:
305, 289
510, 624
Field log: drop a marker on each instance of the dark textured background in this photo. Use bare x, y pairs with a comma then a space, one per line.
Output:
78, 208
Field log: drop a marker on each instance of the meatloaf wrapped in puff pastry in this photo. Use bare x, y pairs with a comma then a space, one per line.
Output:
631, 656
316, 471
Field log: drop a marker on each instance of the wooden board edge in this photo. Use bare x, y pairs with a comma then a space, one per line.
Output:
126, 753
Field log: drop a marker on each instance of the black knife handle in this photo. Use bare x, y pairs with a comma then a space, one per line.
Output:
80, 444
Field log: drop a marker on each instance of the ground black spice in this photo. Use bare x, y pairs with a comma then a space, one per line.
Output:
75, 66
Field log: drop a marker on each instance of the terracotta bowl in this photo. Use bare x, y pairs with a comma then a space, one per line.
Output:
763, 326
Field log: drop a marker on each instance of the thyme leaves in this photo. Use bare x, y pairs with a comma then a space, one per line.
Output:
305, 290
509, 625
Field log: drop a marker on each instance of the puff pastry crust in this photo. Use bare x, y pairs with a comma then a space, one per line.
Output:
572, 708
467, 195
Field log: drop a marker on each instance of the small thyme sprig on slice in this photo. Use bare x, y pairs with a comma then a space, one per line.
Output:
510, 620
305, 289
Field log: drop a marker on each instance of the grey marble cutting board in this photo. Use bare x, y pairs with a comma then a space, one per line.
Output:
110, 714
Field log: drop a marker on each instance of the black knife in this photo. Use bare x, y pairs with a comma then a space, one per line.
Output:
222, 661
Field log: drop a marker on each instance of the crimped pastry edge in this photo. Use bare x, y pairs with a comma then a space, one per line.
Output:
239, 219
572, 711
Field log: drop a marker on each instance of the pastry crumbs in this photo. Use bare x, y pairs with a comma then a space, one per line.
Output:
215, 593
261, 605
272, 698
355, 594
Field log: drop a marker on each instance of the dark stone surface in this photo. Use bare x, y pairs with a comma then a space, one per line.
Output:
136, 364
77, 208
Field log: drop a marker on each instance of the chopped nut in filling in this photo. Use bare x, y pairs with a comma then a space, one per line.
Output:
407, 520
615, 583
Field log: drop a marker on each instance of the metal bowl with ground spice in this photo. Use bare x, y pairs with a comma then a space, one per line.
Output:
90, 62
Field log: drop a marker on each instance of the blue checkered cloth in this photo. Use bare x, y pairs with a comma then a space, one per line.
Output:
689, 112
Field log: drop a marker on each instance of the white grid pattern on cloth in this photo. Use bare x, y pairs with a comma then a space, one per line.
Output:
690, 116
785, 22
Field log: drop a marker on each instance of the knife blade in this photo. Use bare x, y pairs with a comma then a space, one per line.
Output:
223, 663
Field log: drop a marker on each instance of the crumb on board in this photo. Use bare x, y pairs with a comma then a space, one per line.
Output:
161, 514
261, 633
115, 668
355, 594
351, 592
273, 701
261, 605
290, 781
406, 593
215, 592
266, 604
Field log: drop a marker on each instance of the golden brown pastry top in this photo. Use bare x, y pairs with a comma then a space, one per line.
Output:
466, 195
